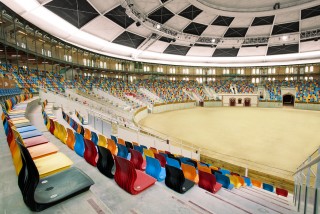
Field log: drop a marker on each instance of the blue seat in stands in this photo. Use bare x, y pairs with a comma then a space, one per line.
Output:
94, 138
267, 187
224, 180
247, 181
154, 169
122, 151
225, 171
79, 144
114, 138
138, 148
173, 162
143, 147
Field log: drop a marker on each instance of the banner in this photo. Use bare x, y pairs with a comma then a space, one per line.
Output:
7, 83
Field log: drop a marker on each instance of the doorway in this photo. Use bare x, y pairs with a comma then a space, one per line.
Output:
232, 102
288, 100
247, 102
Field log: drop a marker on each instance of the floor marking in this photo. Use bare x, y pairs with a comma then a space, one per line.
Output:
200, 207
95, 206
246, 211
265, 194
263, 198
184, 203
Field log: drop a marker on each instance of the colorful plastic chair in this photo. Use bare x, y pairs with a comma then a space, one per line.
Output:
208, 182
176, 181
154, 169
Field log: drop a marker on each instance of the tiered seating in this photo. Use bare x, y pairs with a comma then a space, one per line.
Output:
45, 175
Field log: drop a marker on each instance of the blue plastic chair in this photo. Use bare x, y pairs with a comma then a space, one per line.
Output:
143, 147
138, 148
122, 151
79, 144
224, 180
114, 138
225, 171
247, 181
154, 169
26, 129
173, 162
267, 187
94, 138
30, 134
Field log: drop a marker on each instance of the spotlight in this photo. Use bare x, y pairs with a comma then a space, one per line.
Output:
276, 6
138, 24
213, 40
158, 26
285, 37
173, 40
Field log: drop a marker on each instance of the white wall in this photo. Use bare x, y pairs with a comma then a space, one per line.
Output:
172, 107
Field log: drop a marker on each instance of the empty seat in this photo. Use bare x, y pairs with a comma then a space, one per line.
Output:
105, 162
137, 160
282, 192
114, 138
79, 144
267, 187
138, 148
94, 138
70, 139
112, 147
39, 194
247, 181
154, 169
30, 134
87, 134
90, 152
208, 182
204, 168
190, 172
102, 141
173, 162
225, 171
256, 183
234, 180
26, 129
224, 180
154, 150
131, 180
148, 152
122, 151
128, 145
162, 159
175, 180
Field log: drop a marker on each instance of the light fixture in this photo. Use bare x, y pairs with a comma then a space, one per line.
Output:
138, 24
31, 59
213, 40
285, 37
158, 26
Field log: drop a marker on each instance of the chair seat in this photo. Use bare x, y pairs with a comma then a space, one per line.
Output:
26, 129
217, 187
188, 184
42, 150
20, 125
162, 174
34, 133
51, 164
19, 120
35, 141
143, 181
62, 185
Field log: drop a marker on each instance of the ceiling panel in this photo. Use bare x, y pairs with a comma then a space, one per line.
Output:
285, 28
205, 18
158, 46
129, 39
226, 52
264, 20
308, 46
177, 50
223, 21
104, 6
176, 6
253, 51
190, 12
263, 30
310, 12
200, 51
236, 32
241, 22
215, 30
178, 22
195, 28
161, 15
283, 49
119, 16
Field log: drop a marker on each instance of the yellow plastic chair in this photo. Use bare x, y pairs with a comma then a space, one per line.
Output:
234, 180
148, 152
190, 172
102, 141
63, 134
57, 129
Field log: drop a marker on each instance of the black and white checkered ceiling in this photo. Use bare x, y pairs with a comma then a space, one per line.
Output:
190, 28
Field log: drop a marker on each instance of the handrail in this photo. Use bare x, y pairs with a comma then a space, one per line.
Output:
311, 163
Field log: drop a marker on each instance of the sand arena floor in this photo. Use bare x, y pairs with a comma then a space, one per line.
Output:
279, 138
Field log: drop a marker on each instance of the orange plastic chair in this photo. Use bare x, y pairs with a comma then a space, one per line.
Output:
190, 172
87, 134
154, 150
70, 139
112, 147
121, 141
135, 143
214, 168
204, 168
256, 183
241, 180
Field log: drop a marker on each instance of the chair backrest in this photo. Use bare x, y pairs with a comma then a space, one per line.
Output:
148, 152
121, 141
94, 138
282, 192
207, 181
138, 148
125, 174
28, 178
154, 150
87, 134
256, 183
135, 143
222, 179
143, 146
79, 144
57, 129
162, 159
247, 181
70, 139
90, 152
114, 138
122, 151
267, 187
189, 171
52, 127
102, 141
174, 178
112, 146
63, 134
153, 167
173, 162
136, 159
204, 168
129, 145
105, 162
225, 171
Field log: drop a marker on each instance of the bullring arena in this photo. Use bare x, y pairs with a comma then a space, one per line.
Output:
160, 106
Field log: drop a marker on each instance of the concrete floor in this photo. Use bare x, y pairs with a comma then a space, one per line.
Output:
274, 138
105, 196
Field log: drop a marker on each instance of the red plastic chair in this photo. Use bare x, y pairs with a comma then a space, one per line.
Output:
208, 182
128, 178
282, 192
90, 152
52, 127
137, 160
162, 159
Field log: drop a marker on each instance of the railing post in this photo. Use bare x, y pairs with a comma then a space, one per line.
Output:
308, 174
